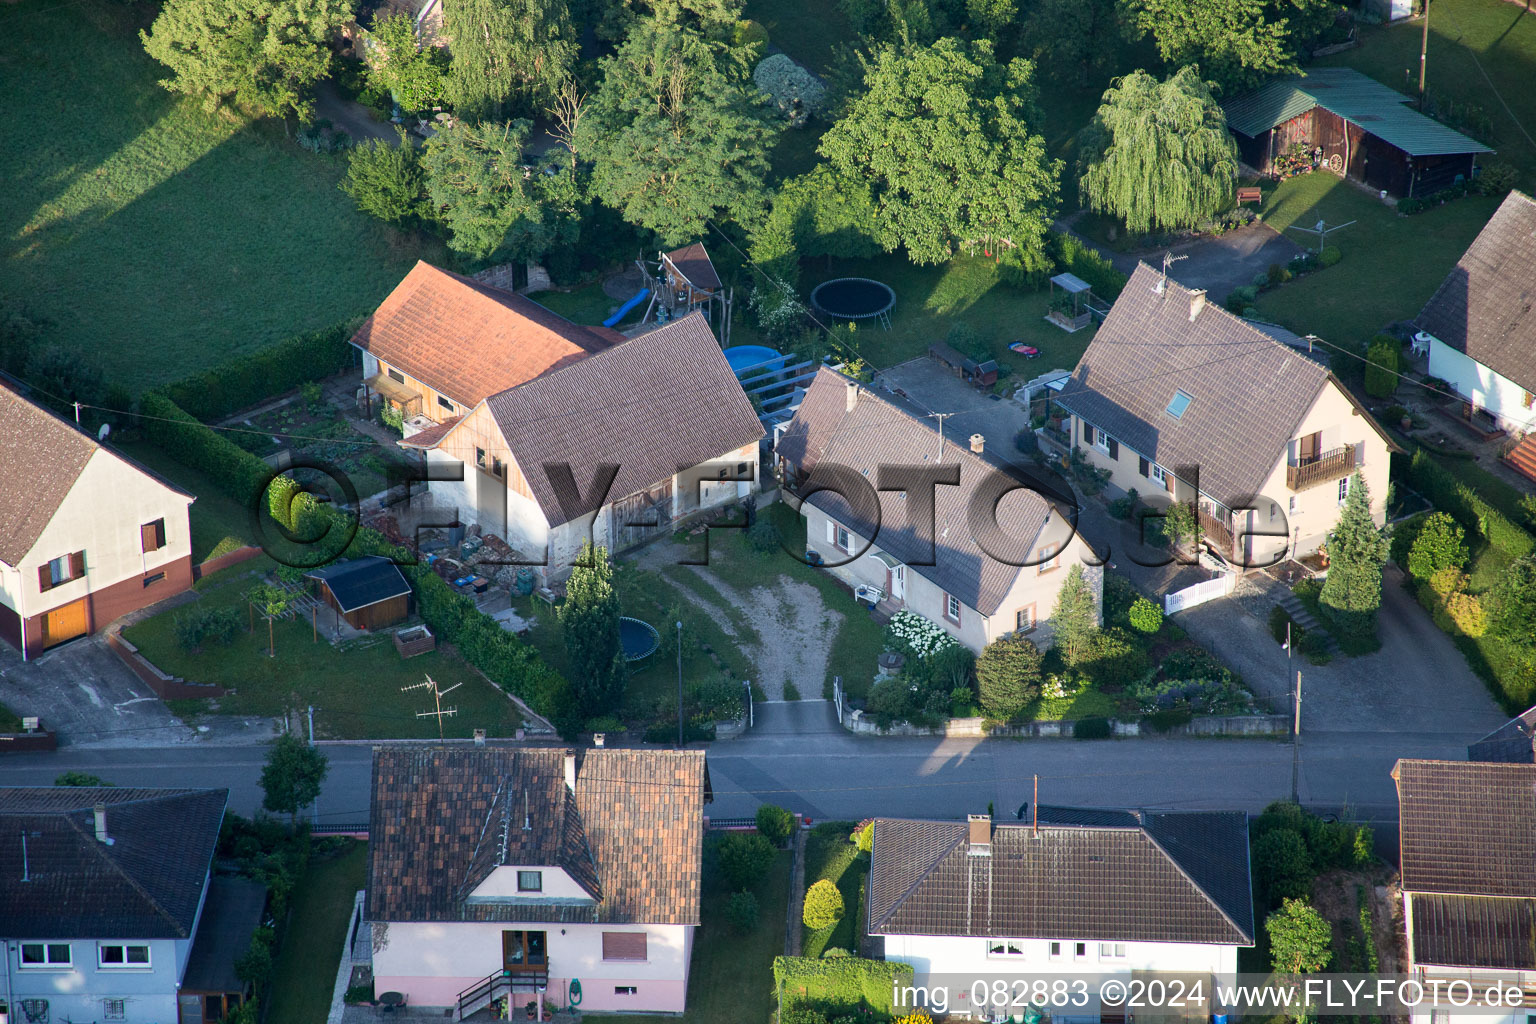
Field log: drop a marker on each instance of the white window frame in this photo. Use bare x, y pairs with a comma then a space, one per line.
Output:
1158, 475
1292, 505
47, 964
1006, 949
1050, 558
952, 600
1343, 490
538, 879
1101, 440
1111, 951
1053, 950
101, 960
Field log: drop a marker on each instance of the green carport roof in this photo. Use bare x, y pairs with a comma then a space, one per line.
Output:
1380, 110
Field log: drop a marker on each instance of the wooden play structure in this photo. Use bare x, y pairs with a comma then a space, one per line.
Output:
684, 280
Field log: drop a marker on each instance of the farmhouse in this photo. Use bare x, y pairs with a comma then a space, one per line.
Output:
1176, 397
86, 535
498, 874
1365, 131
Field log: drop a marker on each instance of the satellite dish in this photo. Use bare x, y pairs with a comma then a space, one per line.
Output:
106, 428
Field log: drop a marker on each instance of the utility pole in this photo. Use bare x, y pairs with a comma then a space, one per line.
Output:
1296, 746
311, 725
1035, 806
1423, 54
679, 684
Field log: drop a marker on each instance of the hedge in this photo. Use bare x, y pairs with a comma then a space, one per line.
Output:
845, 982
1446, 492
1074, 257
189, 441
243, 381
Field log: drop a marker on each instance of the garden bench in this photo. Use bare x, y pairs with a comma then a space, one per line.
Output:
1250, 194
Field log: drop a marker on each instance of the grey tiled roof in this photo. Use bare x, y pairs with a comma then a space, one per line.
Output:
630, 835
652, 405
1514, 742
1473, 931
146, 884
1173, 877
1484, 305
1248, 391
1467, 828
876, 433
821, 410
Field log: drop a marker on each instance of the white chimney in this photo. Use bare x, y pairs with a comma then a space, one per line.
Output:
101, 825
852, 396
1196, 303
570, 769
978, 443
598, 738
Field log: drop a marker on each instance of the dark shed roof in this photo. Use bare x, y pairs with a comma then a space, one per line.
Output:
360, 582
146, 884
1467, 828
1161, 877
1514, 742
231, 914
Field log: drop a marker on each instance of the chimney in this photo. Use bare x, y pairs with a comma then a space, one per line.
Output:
852, 396
598, 738
978, 443
979, 835
101, 825
1196, 303
570, 769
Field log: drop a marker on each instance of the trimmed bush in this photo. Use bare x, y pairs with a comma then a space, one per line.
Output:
1381, 363
1007, 676
1439, 544
1145, 616
823, 905
774, 823
1470, 509
741, 912
745, 858
243, 381
1072, 256
1466, 613
1330, 255
236, 471
843, 981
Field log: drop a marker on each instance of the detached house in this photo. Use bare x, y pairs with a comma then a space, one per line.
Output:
1467, 833
524, 874
1176, 396
546, 433
1099, 893
86, 535
986, 558
105, 898
1479, 325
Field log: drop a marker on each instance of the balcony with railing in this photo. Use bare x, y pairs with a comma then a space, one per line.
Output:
1323, 468
1217, 530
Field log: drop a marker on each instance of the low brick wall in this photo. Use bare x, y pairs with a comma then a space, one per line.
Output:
224, 561
165, 687
1216, 725
20, 742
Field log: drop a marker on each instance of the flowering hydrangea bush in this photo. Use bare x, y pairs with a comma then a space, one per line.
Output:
794, 91
916, 636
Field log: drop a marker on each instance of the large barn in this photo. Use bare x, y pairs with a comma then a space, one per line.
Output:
1366, 130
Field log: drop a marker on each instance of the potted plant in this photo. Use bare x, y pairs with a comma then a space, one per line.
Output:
1322, 555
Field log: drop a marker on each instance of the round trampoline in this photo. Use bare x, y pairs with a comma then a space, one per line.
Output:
638, 639
855, 298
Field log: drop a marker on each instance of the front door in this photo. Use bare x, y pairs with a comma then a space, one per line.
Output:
64, 623
524, 951
897, 582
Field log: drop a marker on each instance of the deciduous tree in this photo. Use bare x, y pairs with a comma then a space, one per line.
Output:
1356, 552
262, 54
1239, 43
1074, 40
1007, 676
291, 778
1300, 941
1158, 154
387, 181
676, 134
942, 136
822, 213
589, 620
507, 55
400, 65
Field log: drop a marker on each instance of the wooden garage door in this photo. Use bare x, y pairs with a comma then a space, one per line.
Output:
64, 623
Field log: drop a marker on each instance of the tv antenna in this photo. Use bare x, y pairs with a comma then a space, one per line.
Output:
1322, 231
438, 693
26, 875
941, 417
1169, 259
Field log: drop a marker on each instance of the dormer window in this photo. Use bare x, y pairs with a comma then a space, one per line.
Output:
530, 881
1177, 404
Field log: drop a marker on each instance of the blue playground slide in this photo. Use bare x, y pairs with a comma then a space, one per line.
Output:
640, 297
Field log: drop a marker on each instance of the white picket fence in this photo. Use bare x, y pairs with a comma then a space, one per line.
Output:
1200, 593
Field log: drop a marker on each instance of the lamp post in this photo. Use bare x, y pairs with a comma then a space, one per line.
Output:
679, 684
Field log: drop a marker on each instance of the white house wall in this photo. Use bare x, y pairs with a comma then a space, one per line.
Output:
432, 963
554, 882
1501, 397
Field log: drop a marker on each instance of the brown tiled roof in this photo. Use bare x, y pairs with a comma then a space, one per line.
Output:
468, 340
1248, 391
1467, 828
821, 410
660, 402
1483, 307
693, 262
878, 432
147, 884
1473, 931
48, 453
1169, 877
443, 820
432, 436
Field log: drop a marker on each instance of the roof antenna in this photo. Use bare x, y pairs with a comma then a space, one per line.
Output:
1036, 806
527, 821
25, 874
1169, 259
941, 417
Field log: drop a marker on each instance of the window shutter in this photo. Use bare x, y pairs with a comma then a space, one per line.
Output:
1114, 448
77, 565
831, 532
152, 536
624, 946
44, 577
1146, 469
1087, 432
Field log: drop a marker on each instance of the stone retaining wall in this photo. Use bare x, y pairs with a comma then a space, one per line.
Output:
224, 561
165, 687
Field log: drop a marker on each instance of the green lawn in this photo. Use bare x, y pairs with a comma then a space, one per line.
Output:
305, 971
829, 854
1467, 39
356, 692
587, 305
220, 524
10, 721
731, 978
1391, 266
930, 300
158, 236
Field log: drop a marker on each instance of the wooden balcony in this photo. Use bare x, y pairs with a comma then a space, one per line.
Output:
1330, 465
1217, 532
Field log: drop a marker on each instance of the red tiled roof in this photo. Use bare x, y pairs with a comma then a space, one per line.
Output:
468, 340
431, 436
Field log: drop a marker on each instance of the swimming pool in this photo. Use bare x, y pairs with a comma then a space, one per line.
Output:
742, 356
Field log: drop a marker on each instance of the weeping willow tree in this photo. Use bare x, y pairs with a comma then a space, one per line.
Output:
1157, 154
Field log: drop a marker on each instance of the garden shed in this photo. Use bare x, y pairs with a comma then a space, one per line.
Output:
368, 592
1354, 126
